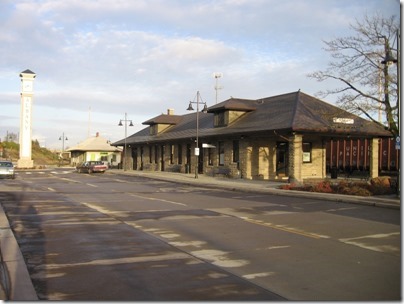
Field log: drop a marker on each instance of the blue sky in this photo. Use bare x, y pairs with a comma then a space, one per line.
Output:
145, 56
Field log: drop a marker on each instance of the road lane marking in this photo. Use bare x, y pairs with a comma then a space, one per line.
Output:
219, 258
341, 209
157, 199
286, 229
361, 242
126, 260
92, 185
270, 225
169, 235
197, 244
69, 180
278, 247
258, 275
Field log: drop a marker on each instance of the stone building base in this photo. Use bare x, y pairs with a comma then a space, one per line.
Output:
25, 163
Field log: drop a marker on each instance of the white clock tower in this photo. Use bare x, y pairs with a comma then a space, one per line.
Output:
27, 82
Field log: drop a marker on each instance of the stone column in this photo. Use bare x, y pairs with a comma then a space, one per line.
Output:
243, 158
374, 158
295, 158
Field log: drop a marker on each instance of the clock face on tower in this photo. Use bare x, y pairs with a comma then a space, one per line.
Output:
27, 86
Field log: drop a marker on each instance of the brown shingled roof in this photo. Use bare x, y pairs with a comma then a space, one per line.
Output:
235, 104
163, 119
292, 112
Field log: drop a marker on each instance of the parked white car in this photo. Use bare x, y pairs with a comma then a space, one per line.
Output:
7, 169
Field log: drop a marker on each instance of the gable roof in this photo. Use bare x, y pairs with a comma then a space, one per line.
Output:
233, 104
95, 143
291, 112
163, 119
27, 72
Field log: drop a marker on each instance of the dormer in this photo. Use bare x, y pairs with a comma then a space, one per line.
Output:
162, 122
228, 111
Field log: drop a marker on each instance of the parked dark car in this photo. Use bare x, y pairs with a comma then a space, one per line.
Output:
91, 167
7, 169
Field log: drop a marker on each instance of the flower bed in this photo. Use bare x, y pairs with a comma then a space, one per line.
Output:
376, 186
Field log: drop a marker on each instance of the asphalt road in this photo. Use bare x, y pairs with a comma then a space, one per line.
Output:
113, 237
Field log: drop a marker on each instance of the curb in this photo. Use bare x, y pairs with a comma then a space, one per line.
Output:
15, 280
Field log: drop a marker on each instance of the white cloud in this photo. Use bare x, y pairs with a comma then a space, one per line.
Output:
143, 57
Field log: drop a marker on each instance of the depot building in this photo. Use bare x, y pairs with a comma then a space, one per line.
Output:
274, 138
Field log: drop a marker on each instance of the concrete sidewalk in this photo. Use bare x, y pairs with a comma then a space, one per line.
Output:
16, 284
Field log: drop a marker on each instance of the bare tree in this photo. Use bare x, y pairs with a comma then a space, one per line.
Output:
368, 83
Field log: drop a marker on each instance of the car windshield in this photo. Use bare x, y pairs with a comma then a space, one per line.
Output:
6, 164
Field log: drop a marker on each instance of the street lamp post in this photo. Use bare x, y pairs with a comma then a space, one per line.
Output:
62, 138
190, 108
388, 60
126, 132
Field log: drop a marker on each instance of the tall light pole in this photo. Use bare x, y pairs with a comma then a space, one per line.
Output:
190, 108
63, 138
126, 132
217, 87
388, 60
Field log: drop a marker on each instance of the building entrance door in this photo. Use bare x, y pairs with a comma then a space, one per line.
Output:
282, 159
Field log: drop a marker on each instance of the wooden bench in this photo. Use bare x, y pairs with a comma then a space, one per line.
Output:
174, 168
224, 171
364, 175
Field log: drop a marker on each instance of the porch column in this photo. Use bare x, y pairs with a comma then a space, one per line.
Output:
128, 159
374, 158
245, 159
295, 158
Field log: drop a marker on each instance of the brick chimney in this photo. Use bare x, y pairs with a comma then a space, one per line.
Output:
170, 111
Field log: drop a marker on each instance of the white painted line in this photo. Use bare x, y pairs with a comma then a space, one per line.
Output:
126, 260
362, 243
278, 247
287, 229
341, 209
70, 180
258, 275
219, 258
158, 199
